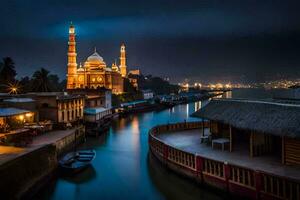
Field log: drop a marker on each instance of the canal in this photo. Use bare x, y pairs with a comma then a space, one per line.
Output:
124, 169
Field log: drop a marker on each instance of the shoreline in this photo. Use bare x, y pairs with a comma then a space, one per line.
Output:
23, 174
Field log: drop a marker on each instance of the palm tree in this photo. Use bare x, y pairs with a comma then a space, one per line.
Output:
7, 72
41, 81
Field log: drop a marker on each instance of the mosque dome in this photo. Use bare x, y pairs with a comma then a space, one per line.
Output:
95, 57
80, 69
94, 62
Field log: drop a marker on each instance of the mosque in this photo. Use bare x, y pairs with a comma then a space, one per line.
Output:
94, 73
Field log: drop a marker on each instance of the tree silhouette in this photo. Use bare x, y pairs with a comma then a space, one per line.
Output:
7, 73
41, 81
25, 84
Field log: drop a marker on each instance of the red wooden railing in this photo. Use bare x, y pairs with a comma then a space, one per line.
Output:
235, 179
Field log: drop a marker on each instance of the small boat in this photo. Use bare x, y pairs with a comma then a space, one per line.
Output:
77, 161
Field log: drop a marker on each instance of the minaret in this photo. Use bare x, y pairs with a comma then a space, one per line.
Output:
72, 64
123, 67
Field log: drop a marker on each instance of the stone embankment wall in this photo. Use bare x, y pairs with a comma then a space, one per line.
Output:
67, 143
22, 176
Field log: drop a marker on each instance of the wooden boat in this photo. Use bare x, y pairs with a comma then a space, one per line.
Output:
77, 161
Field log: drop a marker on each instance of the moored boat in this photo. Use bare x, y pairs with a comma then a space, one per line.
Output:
77, 161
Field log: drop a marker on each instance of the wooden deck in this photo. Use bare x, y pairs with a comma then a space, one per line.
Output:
189, 141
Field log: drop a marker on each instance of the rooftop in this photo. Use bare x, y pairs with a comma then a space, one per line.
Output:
276, 118
58, 95
133, 103
6, 112
19, 100
46, 93
147, 91
93, 111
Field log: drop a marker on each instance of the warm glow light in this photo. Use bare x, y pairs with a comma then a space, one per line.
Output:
219, 85
28, 114
228, 86
13, 88
21, 117
72, 30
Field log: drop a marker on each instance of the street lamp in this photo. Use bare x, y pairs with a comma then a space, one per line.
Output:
13, 88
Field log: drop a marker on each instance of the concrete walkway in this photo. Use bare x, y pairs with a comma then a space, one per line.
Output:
8, 153
50, 137
190, 141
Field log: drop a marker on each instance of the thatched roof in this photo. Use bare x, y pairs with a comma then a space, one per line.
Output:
261, 116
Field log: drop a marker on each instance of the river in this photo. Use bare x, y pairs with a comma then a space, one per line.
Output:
124, 169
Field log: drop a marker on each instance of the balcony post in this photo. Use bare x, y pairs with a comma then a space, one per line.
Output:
226, 174
165, 151
199, 166
258, 183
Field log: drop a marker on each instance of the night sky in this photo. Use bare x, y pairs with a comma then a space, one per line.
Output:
201, 40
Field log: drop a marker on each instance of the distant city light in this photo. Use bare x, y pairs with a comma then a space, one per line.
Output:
282, 83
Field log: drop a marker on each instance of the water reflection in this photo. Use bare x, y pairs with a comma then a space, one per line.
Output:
187, 111
227, 95
198, 105
121, 169
135, 136
84, 177
163, 179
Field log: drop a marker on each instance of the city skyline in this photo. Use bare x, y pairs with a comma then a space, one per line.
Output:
249, 40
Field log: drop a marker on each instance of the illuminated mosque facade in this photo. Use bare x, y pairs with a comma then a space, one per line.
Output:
94, 73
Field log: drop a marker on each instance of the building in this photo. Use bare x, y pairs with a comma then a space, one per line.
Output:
133, 77
94, 73
12, 119
135, 72
96, 114
249, 148
147, 94
257, 127
97, 109
22, 103
61, 108
100, 97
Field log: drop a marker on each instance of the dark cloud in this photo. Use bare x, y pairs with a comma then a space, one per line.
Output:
197, 39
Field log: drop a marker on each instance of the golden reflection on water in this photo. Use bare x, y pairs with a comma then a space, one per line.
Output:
135, 133
187, 110
122, 123
198, 105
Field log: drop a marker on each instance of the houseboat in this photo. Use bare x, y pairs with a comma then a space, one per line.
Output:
136, 106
